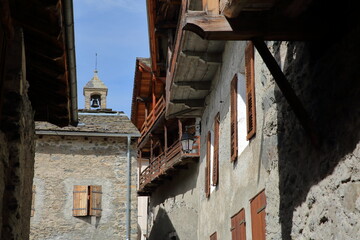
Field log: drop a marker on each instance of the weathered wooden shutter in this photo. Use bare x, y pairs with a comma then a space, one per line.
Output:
80, 200
33, 201
215, 176
258, 205
207, 168
233, 114
213, 236
238, 226
250, 91
95, 200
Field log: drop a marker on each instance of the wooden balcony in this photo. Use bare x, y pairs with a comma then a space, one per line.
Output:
152, 118
165, 165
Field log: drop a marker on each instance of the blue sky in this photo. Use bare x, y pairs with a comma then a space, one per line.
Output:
117, 31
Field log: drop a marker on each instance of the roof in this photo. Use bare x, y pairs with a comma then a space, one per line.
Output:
94, 121
50, 56
95, 82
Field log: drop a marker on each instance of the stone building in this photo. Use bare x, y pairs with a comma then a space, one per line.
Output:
278, 156
37, 82
85, 176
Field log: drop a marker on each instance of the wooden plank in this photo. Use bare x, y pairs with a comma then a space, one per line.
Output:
207, 168
80, 200
250, 91
287, 91
233, 119
258, 217
213, 236
95, 200
215, 174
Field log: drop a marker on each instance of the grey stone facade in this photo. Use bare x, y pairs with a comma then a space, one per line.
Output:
312, 192
94, 153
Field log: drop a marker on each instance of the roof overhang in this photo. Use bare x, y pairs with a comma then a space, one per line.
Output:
48, 28
194, 65
282, 20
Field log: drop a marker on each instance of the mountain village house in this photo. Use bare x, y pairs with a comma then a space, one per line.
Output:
246, 133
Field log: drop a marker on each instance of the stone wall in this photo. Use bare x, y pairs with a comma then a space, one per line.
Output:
317, 194
64, 161
16, 145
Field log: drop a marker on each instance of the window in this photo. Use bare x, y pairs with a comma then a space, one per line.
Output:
258, 205
250, 91
233, 116
215, 176
207, 168
238, 226
213, 236
87, 200
33, 201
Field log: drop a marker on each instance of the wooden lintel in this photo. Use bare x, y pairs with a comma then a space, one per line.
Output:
287, 90
191, 103
205, 56
250, 25
196, 85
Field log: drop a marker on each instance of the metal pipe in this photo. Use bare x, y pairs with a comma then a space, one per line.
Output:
70, 46
128, 188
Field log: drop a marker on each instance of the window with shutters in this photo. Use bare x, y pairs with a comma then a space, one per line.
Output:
258, 205
215, 176
213, 236
33, 201
87, 200
233, 116
207, 167
238, 226
250, 90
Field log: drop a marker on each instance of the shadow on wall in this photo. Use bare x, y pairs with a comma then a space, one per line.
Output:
163, 229
325, 76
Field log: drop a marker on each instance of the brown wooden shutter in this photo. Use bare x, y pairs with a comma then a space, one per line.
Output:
238, 226
80, 200
215, 176
213, 236
250, 91
207, 168
233, 114
95, 201
33, 201
258, 205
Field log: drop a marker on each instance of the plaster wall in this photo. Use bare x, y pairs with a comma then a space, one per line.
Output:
64, 161
240, 181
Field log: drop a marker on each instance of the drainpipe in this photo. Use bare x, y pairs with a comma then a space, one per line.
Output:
128, 186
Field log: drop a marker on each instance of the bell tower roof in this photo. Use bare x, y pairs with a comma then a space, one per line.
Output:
95, 92
95, 83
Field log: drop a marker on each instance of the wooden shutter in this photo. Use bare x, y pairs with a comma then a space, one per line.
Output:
95, 201
207, 168
33, 201
215, 176
80, 200
238, 226
233, 114
250, 91
213, 236
258, 205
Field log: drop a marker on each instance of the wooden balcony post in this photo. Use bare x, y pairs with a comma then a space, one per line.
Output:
165, 139
180, 129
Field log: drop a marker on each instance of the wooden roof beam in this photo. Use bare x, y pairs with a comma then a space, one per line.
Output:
250, 25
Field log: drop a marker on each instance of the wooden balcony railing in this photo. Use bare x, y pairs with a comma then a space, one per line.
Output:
161, 164
152, 117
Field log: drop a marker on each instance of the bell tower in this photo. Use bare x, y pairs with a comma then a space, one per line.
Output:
95, 93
